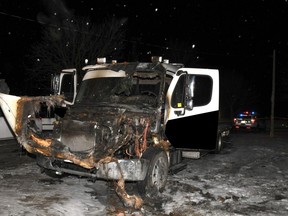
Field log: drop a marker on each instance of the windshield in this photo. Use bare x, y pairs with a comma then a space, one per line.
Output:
130, 90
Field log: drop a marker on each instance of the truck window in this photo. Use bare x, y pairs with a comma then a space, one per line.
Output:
179, 92
67, 87
202, 91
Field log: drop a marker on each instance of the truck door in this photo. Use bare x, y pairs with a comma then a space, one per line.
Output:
192, 108
65, 83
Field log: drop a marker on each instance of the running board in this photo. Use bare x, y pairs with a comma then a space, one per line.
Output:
191, 154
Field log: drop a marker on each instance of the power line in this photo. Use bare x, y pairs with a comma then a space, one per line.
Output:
19, 17
55, 26
148, 45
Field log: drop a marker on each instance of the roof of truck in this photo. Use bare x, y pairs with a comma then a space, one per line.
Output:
131, 67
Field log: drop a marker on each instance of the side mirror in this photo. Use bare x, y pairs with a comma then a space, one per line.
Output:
189, 92
55, 83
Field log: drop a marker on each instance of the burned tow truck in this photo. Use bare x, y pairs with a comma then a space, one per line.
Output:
129, 122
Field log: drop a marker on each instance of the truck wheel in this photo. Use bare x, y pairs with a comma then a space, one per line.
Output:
219, 144
157, 173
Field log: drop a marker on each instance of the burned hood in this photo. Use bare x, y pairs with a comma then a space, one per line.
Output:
107, 131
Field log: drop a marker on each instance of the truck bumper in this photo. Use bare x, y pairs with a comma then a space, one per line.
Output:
129, 170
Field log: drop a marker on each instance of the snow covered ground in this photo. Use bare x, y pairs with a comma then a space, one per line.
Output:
248, 178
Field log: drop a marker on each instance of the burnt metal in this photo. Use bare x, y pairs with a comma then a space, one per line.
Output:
105, 140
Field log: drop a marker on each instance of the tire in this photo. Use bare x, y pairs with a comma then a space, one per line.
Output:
219, 144
157, 173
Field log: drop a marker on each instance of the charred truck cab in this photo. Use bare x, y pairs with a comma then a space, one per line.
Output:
128, 122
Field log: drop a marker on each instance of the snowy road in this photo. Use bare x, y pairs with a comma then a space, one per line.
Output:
248, 178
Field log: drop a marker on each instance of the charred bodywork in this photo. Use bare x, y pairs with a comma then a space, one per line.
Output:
115, 118
105, 134
120, 121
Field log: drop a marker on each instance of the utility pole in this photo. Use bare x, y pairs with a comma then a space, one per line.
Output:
273, 97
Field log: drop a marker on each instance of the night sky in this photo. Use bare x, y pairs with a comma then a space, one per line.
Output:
231, 35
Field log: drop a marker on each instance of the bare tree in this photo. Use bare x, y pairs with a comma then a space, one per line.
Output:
232, 96
181, 51
69, 45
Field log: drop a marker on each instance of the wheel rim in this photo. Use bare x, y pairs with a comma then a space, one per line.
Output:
159, 173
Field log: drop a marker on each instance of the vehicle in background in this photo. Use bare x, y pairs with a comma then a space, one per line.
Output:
44, 116
5, 131
249, 120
